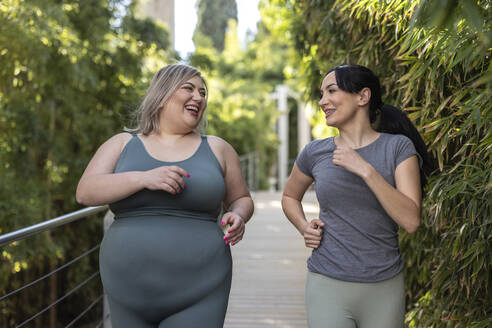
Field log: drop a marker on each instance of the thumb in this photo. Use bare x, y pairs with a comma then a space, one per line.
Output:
315, 223
226, 219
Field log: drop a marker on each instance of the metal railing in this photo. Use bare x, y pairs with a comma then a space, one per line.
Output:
249, 166
49, 224
21, 234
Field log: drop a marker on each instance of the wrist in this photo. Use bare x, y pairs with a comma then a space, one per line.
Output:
240, 216
140, 179
368, 172
303, 227
236, 214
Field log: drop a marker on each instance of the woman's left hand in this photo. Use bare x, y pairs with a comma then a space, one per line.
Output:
236, 230
348, 158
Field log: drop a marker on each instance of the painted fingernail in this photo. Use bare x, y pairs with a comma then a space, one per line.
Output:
187, 175
233, 244
184, 187
229, 231
227, 242
223, 223
225, 237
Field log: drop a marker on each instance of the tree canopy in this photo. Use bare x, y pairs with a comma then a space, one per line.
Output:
213, 20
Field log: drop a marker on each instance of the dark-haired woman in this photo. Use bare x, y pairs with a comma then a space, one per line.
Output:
368, 183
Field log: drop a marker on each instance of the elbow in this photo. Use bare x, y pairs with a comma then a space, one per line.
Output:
252, 206
283, 202
288, 203
412, 227
82, 197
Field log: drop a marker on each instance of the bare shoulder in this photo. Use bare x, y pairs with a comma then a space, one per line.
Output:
123, 137
118, 141
219, 145
106, 157
223, 151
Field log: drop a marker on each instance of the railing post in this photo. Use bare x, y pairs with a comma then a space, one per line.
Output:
108, 220
257, 171
250, 171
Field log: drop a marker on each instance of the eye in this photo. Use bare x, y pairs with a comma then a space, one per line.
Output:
331, 90
203, 94
187, 87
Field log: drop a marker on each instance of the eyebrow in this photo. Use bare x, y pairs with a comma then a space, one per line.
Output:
194, 86
329, 85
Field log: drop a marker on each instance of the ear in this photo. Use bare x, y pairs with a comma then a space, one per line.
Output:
364, 97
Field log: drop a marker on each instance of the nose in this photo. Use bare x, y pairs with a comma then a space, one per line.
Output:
323, 100
197, 96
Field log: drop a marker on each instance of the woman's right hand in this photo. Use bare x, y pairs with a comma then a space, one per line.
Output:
313, 232
167, 178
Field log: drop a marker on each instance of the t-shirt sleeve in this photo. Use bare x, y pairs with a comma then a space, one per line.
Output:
304, 161
404, 150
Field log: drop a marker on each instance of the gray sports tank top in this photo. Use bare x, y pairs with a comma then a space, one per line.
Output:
201, 199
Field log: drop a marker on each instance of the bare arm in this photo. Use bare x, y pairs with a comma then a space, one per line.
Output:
238, 202
99, 185
294, 191
238, 198
401, 203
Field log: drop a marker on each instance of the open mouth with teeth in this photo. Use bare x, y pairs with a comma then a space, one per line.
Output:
328, 112
192, 109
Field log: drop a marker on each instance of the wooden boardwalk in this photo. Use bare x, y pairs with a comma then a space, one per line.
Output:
269, 269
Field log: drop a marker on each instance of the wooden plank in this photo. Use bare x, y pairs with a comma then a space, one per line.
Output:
269, 270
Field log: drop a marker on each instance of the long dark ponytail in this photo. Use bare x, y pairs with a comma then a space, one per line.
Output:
385, 118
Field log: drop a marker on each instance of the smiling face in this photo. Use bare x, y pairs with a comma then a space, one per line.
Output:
338, 105
186, 106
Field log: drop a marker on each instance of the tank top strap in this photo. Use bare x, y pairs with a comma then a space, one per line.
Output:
136, 145
132, 148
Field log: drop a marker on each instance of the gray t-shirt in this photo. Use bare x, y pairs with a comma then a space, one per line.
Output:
360, 240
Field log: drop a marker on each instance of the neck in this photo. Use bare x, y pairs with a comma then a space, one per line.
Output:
167, 136
357, 134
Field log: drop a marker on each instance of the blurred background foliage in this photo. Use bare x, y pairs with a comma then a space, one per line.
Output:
210, 31
72, 71
240, 78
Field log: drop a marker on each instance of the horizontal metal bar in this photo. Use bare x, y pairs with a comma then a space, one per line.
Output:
102, 321
50, 224
85, 311
59, 300
49, 274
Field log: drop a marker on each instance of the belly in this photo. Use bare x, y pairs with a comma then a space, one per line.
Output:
154, 258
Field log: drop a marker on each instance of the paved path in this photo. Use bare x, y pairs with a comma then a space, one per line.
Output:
269, 269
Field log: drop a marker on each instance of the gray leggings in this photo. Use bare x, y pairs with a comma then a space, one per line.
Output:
332, 303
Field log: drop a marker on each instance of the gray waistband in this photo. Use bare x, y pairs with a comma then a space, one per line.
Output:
166, 212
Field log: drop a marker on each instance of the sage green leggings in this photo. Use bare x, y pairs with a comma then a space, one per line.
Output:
332, 303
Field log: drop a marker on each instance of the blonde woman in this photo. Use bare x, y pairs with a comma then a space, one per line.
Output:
165, 262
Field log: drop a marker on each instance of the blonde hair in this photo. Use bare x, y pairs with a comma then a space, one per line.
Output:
163, 85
